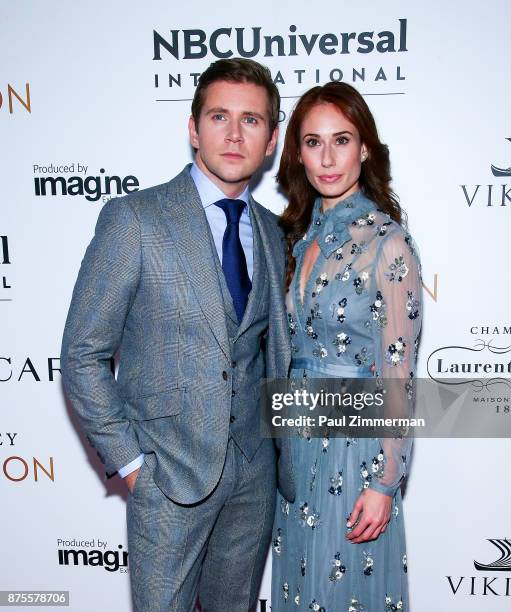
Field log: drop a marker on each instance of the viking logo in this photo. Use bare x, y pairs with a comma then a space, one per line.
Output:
503, 563
501, 171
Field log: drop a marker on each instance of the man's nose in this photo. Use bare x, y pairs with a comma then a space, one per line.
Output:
234, 133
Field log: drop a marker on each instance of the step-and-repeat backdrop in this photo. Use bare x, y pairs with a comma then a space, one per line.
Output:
94, 102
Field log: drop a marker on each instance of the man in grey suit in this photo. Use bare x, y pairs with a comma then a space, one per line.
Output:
186, 279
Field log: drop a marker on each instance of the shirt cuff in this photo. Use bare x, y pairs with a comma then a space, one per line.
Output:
131, 467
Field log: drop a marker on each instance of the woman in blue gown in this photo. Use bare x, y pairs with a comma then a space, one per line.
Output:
354, 311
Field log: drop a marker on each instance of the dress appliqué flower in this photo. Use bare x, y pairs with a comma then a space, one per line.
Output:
341, 342
292, 327
381, 230
316, 607
291, 324
355, 606
307, 518
321, 281
320, 351
390, 606
368, 562
277, 542
411, 244
412, 305
365, 475
378, 465
398, 270
362, 357
367, 219
338, 568
336, 484
379, 310
316, 312
285, 589
358, 249
297, 597
309, 329
339, 310
395, 354
360, 282
345, 274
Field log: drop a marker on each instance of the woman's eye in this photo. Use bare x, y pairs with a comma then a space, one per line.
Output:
312, 142
342, 140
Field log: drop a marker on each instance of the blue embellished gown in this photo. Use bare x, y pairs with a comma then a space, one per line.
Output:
360, 317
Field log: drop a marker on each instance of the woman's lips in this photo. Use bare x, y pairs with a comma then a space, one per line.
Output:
329, 178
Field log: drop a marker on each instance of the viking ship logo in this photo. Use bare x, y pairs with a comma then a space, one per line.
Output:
501, 171
503, 563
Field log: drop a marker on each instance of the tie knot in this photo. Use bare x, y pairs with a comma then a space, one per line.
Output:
232, 209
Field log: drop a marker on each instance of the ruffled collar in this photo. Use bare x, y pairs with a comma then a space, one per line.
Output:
330, 228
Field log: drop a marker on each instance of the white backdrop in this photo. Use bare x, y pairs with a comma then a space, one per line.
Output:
442, 106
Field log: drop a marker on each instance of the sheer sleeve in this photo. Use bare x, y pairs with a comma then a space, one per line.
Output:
397, 315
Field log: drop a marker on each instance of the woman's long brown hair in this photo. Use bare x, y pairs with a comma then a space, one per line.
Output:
374, 178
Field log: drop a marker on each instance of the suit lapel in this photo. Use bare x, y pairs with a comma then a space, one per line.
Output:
273, 249
188, 227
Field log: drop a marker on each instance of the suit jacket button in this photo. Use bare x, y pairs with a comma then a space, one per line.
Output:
233, 364
233, 393
232, 418
224, 375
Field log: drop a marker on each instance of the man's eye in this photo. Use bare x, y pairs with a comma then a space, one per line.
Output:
218, 117
251, 120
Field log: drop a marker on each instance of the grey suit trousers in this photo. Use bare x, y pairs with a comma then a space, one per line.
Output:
215, 549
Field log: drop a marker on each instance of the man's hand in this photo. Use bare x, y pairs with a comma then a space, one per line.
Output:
373, 509
131, 478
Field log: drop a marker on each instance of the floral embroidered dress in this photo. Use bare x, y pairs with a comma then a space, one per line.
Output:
361, 308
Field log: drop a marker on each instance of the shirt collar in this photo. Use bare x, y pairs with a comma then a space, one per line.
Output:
209, 193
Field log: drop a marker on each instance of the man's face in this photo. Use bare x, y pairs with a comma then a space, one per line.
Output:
233, 136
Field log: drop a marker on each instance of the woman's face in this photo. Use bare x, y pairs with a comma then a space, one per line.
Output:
331, 153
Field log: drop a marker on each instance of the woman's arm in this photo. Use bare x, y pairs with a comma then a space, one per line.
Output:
397, 322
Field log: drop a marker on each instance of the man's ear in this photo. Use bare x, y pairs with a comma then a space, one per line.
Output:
194, 135
272, 143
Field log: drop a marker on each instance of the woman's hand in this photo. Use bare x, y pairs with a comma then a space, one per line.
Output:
373, 509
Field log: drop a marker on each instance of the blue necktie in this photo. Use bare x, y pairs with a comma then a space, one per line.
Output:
234, 263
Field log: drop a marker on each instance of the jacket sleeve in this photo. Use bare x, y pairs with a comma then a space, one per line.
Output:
104, 291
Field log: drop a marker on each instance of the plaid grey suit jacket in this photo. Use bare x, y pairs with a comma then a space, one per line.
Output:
149, 287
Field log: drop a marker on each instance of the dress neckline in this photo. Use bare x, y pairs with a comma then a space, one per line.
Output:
331, 227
